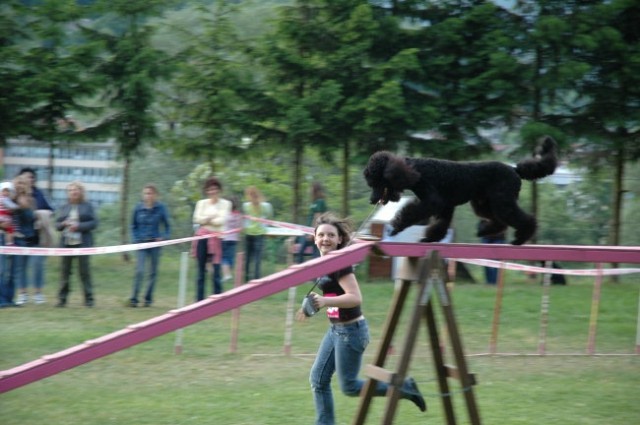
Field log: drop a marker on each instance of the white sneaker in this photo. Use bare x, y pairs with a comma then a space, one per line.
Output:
22, 299
38, 298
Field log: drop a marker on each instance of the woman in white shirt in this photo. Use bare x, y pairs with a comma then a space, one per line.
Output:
210, 215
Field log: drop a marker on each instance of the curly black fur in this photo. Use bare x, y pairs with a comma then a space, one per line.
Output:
491, 187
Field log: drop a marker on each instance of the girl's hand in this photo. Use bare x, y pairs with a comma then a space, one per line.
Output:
318, 301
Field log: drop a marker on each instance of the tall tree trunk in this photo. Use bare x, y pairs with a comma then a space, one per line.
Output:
346, 153
537, 103
124, 206
298, 156
618, 192
50, 160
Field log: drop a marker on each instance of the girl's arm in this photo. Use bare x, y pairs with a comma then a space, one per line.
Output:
351, 297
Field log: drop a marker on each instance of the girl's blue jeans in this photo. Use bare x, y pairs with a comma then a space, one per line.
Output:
340, 352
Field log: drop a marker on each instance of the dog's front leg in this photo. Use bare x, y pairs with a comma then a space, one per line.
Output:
437, 230
412, 213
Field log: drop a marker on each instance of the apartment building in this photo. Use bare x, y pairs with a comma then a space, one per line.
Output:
93, 164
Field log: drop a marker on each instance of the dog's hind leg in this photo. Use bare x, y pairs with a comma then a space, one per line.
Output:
523, 223
412, 213
437, 229
491, 225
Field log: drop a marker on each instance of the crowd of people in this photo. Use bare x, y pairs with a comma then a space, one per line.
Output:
28, 219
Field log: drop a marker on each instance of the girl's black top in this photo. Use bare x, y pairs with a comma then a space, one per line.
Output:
330, 286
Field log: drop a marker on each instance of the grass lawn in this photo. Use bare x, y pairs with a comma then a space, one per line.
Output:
258, 385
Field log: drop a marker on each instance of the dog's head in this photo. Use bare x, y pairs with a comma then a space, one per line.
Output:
388, 175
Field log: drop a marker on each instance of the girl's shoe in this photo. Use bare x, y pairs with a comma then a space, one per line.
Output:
414, 394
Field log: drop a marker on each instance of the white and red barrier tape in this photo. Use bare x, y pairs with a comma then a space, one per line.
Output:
535, 269
15, 250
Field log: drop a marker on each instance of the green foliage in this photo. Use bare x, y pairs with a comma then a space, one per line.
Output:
269, 172
333, 79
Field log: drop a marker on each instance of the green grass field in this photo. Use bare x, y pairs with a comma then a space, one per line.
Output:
259, 385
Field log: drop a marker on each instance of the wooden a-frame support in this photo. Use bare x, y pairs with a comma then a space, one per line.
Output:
431, 278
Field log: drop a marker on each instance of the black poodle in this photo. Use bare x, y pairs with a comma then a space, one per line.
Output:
440, 185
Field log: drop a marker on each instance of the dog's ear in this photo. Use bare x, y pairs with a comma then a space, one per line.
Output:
400, 174
375, 168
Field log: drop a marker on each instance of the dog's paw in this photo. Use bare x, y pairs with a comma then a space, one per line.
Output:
428, 240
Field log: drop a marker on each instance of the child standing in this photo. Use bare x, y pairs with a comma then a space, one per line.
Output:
230, 240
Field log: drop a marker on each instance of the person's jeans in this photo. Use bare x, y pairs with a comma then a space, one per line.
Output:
491, 273
203, 258
37, 264
7, 288
229, 252
153, 255
18, 268
253, 246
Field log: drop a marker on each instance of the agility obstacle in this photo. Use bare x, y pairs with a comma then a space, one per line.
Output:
254, 290
179, 318
430, 276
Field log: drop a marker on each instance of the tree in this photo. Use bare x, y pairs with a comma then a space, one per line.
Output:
13, 100
609, 42
592, 78
129, 68
330, 90
53, 75
214, 85
470, 74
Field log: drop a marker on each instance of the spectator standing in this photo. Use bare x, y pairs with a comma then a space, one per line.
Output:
46, 232
76, 220
210, 215
254, 231
150, 223
318, 206
25, 236
230, 240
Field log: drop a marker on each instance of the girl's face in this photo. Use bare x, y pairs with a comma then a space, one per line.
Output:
327, 238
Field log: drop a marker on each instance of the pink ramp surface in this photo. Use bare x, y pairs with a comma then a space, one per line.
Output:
578, 253
179, 318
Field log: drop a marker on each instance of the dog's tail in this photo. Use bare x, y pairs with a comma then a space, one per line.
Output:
541, 165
